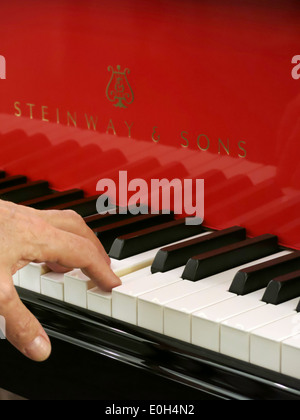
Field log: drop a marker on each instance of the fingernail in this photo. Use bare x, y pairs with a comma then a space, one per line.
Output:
39, 349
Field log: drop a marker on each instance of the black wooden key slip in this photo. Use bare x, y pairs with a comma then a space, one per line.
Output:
151, 238
225, 258
258, 276
177, 255
283, 288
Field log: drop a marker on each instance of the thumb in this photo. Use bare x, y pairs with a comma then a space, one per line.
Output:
22, 329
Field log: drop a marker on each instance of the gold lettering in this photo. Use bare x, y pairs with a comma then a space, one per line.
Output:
57, 116
155, 136
19, 113
44, 113
184, 138
224, 147
198, 142
241, 148
90, 121
70, 117
129, 128
30, 110
111, 127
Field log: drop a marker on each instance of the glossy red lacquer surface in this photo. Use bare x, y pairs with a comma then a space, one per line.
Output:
210, 95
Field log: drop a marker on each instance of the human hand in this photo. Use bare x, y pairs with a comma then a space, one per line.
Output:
60, 238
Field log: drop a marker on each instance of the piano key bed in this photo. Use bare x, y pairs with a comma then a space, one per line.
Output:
209, 314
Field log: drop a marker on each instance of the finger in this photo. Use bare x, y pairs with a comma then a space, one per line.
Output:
71, 251
22, 329
57, 268
67, 220
72, 222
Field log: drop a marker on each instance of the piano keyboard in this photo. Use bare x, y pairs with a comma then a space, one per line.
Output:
188, 283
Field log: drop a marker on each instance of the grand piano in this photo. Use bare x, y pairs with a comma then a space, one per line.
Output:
159, 89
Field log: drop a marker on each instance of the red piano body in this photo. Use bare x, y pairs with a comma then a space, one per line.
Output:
172, 89
193, 89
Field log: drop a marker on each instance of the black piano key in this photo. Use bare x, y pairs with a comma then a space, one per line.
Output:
84, 206
97, 220
116, 214
298, 307
177, 255
26, 191
107, 234
144, 240
55, 198
283, 288
258, 276
12, 181
225, 258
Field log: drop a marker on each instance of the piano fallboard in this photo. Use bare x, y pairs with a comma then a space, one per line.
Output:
90, 349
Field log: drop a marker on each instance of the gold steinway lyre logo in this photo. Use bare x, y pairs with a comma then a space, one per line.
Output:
118, 89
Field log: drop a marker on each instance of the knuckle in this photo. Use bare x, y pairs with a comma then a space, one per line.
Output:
7, 294
71, 214
77, 221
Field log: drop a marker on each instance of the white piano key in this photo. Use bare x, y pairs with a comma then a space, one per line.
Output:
76, 286
290, 357
235, 332
16, 280
125, 297
151, 305
30, 276
265, 342
206, 322
135, 275
177, 314
101, 302
52, 285
145, 259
